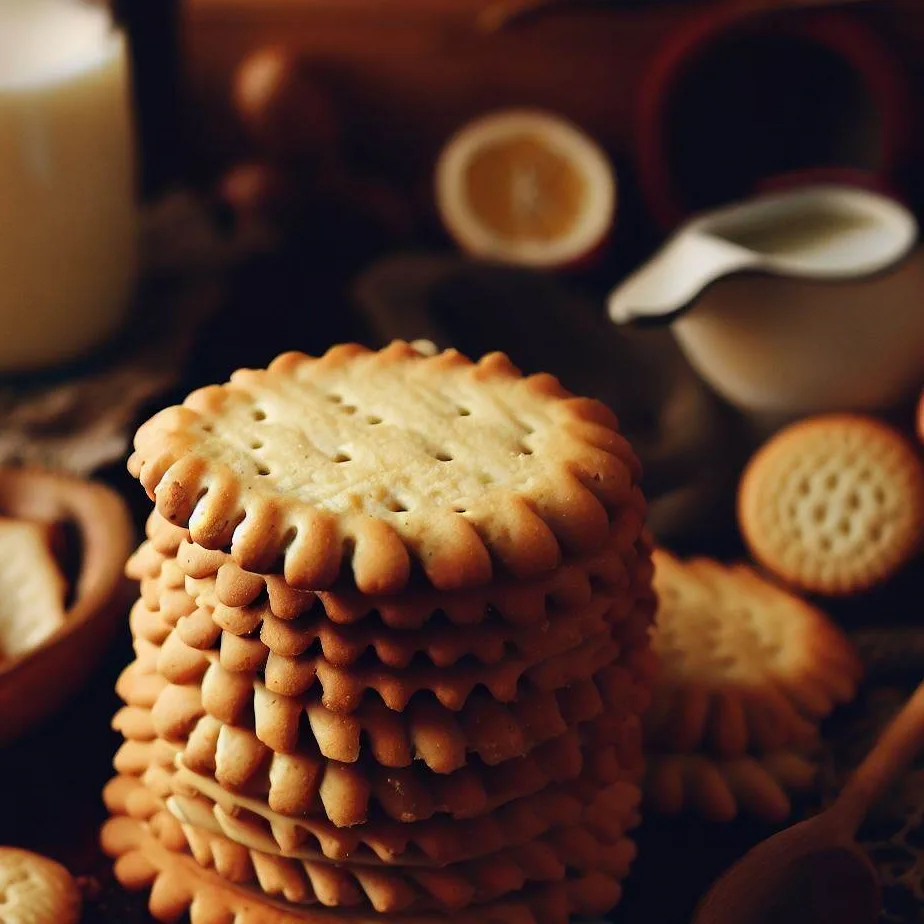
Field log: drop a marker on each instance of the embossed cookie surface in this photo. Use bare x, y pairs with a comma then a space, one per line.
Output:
834, 505
745, 665
36, 890
382, 460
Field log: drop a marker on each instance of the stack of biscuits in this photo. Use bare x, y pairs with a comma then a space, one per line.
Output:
392, 648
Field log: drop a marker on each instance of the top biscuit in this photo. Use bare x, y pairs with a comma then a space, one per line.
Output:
385, 461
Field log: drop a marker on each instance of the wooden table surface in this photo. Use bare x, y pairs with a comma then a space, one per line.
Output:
51, 780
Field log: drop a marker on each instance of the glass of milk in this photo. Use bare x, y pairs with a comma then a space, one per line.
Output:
67, 181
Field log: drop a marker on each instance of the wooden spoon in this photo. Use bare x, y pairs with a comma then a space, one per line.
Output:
814, 872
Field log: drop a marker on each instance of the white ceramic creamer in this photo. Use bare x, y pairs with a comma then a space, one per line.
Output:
67, 181
795, 303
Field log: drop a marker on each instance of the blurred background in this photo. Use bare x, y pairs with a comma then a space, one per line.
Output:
697, 101
703, 212
330, 132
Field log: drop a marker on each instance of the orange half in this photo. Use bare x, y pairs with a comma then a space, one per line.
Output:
526, 187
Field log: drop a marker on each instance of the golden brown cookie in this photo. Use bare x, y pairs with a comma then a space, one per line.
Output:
292, 659
198, 800
554, 858
442, 740
606, 745
179, 885
608, 570
348, 794
435, 462
201, 802
554, 611
345, 690
834, 505
36, 890
302, 783
386, 890
745, 666
719, 789
428, 732
519, 753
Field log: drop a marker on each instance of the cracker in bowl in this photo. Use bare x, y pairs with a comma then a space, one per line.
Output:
32, 587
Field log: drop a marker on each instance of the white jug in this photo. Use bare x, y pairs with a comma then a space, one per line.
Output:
794, 303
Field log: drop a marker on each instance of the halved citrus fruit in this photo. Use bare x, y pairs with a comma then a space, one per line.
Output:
526, 187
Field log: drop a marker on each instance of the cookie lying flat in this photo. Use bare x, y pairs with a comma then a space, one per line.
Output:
32, 588
745, 666
833, 505
719, 790
36, 890
374, 462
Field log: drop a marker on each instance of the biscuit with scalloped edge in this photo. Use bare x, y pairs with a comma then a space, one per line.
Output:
523, 603
345, 690
744, 665
386, 890
348, 794
383, 462
605, 810
425, 731
560, 615
180, 886
834, 505
608, 812
201, 802
719, 789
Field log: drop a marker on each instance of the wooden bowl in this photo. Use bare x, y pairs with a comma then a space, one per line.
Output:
36, 683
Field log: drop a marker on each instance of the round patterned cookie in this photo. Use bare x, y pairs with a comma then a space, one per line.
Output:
36, 890
833, 505
386, 463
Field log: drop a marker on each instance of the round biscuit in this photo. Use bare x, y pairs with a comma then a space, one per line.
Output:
833, 505
390, 465
36, 890
745, 666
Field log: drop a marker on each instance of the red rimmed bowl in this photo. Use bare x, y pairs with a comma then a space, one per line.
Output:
745, 99
101, 535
